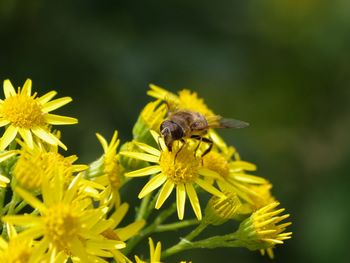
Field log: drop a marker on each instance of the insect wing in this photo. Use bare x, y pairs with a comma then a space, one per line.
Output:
220, 122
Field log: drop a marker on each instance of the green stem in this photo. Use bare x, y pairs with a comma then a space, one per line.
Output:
212, 242
14, 201
150, 229
2, 198
177, 225
20, 206
195, 232
143, 207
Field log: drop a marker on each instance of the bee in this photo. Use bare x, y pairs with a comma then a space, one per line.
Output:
181, 124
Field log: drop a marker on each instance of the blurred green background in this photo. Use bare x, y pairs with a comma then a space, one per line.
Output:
282, 65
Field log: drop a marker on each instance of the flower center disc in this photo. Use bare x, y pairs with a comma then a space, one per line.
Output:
181, 165
62, 224
22, 111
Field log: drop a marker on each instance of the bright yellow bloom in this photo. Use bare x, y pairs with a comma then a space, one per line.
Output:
233, 176
16, 250
262, 230
37, 162
26, 114
107, 170
180, 169
185, 100
155, 253
221, 209
68, 225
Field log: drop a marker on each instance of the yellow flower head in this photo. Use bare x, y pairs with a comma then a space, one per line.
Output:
155, 253
262, 230
233, 176
35, 163
181, 169
185, 100
26, 114
67, 224
16, 250
107, 170
221, 209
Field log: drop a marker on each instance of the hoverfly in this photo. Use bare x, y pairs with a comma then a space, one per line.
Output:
181, 124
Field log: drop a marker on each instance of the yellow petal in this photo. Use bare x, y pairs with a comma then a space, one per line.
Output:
152, 184
27, 137
8, 89
148, 148
153, 169
209, 188
27, 87
142, 156
209, 173
3, 244
48, 137
194, 200
131, 230
251, 179
59, 120
24, 220
180, 200
103, 142
7, 154
47, 97
8, 136
164, 193
4, 122
30, 199
4, 179
55, 104
119, 214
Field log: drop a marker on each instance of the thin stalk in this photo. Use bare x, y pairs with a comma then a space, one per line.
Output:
176, 226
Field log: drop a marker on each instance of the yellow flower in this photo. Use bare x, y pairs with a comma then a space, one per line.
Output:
16, 250
233, 176
180, 169
68, 225
107, 171
25, 114
37, 162
262, 230
122, 233
185, 100
221, 209
155, 253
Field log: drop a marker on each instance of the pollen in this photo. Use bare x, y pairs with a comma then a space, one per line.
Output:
62, 224
217, 163
22, 111
181, 165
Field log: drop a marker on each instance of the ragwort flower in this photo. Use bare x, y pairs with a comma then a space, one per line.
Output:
263, 230
181, 169
68, 225
27, 115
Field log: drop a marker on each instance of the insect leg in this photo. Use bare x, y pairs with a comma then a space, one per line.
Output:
203, 139
182, 145
211, 143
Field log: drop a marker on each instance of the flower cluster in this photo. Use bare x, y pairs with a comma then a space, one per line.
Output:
54, 210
